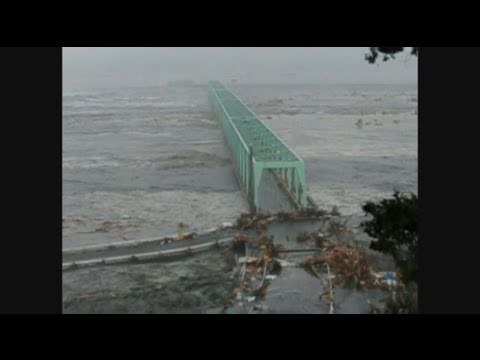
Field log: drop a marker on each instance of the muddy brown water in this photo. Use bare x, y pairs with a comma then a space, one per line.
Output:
143, 159
137, 161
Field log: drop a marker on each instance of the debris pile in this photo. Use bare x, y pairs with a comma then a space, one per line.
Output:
259, 264
337, 229
253, 221
257, 260
314, 239
239, 244
260, 221
347, 263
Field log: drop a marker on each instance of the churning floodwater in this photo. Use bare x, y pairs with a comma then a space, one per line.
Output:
138, 161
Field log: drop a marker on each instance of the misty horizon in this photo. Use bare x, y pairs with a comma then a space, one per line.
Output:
125, 67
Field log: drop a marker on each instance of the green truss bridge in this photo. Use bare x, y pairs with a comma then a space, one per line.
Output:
270, 174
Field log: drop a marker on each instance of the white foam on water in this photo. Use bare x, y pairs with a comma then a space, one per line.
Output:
73, 162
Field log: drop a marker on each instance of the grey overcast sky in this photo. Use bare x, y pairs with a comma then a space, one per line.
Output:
113, 67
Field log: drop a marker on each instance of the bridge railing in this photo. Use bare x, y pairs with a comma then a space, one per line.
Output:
255, 147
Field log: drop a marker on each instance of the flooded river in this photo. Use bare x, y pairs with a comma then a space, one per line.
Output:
137, 161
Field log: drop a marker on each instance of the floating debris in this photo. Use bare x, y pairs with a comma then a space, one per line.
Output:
182, 225
359, 123
167, 240
189, 236
180, 236
248, 221
226, 225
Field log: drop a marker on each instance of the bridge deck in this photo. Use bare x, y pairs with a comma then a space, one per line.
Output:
256, 147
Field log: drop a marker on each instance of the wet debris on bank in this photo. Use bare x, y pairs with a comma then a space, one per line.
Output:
167, 240
341, 264
189, 236
348, 264
255, 221
336, 264
180, 232
258, 261
338, 229
109, 226
239, 244
260, 221
315, 239
255, 260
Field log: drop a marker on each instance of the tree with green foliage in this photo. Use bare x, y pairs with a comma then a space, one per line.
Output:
387, 53
394, 225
